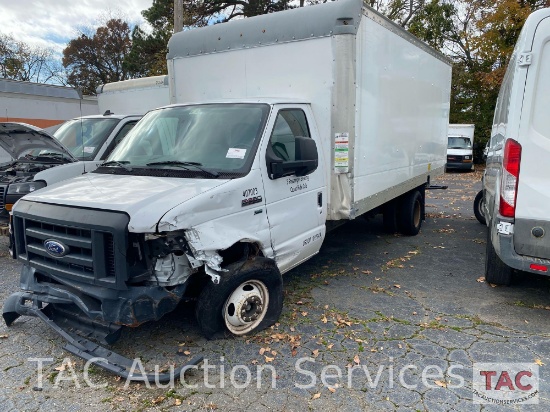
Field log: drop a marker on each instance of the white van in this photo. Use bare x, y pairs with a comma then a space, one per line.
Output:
516, 183
460, 148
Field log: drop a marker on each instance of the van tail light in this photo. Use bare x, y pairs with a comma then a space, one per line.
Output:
510, 178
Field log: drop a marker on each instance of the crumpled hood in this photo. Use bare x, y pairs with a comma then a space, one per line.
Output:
145, 198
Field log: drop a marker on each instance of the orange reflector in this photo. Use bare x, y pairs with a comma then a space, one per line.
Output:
9, 207
540, 268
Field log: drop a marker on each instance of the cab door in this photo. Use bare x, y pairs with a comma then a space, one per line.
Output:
295, 201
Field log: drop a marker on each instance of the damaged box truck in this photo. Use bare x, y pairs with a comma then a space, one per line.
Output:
299, 121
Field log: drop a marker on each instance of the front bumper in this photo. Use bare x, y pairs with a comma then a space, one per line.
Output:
77, 316
459, 166
82, 347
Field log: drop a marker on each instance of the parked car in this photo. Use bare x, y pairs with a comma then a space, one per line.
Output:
516, 182
25, 151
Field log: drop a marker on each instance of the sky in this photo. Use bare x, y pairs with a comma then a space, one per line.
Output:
52, 23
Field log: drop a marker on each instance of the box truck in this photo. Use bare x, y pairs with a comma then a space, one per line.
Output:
460, 148
282, 126
516, 188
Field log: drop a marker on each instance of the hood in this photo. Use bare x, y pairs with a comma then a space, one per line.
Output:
18, 139
145, 198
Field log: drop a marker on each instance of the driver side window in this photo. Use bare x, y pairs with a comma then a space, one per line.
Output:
290, 123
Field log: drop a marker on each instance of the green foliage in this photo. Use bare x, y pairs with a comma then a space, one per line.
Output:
98, 58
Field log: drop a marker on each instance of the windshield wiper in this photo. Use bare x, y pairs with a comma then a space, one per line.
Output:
184, 165
49, 156
117, 163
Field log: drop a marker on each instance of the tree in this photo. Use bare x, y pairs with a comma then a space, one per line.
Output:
97, 58
19, 61
148, 55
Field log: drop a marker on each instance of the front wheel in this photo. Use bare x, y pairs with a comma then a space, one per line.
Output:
496, 271
249, 298
478, 208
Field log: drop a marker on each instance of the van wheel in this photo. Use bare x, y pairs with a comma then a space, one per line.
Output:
389, 216
409, 219
478, 208
496, 271
249, 298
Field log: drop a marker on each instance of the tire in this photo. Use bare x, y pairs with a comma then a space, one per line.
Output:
409, 218
496, 271
478, 208
257, 284
389, 215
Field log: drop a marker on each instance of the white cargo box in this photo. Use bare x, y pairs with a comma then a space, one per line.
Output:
379, 95
134, 96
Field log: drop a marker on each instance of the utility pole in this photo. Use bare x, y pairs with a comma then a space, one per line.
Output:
178, 15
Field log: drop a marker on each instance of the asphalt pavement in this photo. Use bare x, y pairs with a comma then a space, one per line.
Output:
375, 322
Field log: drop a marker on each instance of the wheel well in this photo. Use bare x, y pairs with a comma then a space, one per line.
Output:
239, 251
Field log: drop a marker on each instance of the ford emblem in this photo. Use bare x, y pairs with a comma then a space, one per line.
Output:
56, 248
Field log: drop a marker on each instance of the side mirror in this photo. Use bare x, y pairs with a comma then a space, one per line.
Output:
307, 160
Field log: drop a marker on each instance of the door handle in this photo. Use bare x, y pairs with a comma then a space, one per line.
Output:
320, 199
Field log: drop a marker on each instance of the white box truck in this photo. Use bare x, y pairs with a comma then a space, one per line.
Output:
516, 182
460, 148
283, 125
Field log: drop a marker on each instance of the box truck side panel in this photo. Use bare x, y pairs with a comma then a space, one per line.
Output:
403, 105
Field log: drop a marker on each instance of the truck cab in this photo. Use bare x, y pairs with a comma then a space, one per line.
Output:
460, 154
516, 187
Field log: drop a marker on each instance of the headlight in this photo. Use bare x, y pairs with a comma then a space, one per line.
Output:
24, 188
466, 157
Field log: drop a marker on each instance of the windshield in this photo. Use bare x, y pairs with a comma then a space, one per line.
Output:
456, 142
84, 137
214, 137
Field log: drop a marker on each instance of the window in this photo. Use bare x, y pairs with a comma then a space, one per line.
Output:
290, 123
118, 138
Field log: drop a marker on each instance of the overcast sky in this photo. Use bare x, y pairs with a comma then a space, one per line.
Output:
53, 23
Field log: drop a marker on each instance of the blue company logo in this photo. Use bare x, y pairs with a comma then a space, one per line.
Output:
55, 248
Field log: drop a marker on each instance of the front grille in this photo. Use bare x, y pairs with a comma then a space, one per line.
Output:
96, 249
2, 190
454, 158
78, 263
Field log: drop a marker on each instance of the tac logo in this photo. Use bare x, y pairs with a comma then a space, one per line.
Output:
505, 383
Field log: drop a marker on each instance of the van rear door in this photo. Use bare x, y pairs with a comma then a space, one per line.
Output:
533, 196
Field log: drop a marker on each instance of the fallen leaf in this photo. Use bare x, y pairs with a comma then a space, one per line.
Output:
3, 336
539, 362
326, 307
397, 286
187, 352
254, 361
376, 278
356, 359
294, 352
268, 359
274, 353
299, 302
366, 272
262, 351
292, 329
304, 313
316, 396
177, 402
330, 346
442, 384
158, 400
324, 319
493, 285
331, 389
315, 353
414, 313
481, 279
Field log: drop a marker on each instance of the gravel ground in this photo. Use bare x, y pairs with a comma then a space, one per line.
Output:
390, 306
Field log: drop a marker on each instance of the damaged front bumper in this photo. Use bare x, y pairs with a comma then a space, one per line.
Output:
77, 316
